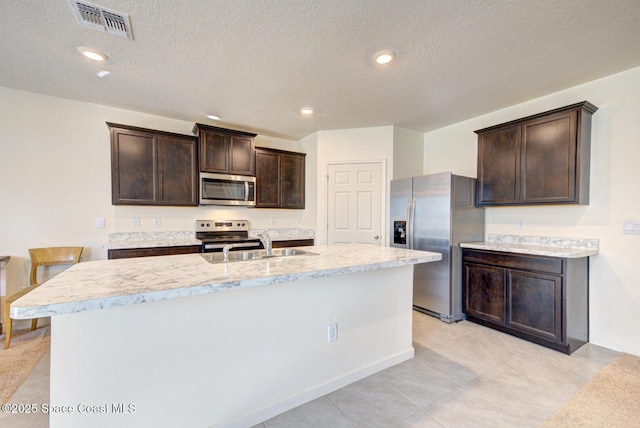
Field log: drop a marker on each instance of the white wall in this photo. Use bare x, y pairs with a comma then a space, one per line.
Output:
55, 180
309, 145
349, 145
408, 150
615, 177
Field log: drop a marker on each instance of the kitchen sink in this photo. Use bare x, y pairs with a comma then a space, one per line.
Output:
237, 256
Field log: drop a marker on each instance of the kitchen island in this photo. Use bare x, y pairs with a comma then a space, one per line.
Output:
178, 341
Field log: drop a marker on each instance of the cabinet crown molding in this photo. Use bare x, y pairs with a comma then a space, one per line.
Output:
584, 105
155, 131
198, 126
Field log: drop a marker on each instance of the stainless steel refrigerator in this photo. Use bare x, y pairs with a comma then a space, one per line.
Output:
435, 213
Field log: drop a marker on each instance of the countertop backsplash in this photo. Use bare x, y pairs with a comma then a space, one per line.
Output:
151, 236
122, 240
545, 241
282, 234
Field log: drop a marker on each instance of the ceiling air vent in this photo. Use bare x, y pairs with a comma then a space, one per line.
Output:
102, 19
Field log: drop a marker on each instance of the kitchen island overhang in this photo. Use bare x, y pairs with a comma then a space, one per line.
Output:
195, 356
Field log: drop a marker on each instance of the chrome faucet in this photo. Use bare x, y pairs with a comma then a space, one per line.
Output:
225, 252
266, 243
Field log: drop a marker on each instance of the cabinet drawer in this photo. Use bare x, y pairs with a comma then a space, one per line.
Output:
515, 261
293, 243
157, 251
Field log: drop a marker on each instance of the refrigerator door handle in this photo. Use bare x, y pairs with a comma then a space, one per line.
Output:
411, 207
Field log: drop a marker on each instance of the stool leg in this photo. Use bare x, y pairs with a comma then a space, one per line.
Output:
34, 324
7, 326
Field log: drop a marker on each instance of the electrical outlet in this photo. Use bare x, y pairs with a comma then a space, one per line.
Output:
519, 224
156, 222
136, 222
332, 332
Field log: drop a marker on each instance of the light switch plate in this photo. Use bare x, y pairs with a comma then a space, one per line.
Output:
100, 223
631, 227
332, 332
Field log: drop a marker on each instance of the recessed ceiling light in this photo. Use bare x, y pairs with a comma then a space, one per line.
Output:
93, 54
306, 111
103, 73
384, 57
213, 117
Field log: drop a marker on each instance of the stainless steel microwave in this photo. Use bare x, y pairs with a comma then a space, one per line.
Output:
224, 189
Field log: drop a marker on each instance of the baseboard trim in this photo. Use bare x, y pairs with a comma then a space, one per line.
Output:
303, 397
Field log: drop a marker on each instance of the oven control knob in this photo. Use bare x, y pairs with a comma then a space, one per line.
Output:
201, 224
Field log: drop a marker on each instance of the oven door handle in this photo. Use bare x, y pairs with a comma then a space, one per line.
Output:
237, 245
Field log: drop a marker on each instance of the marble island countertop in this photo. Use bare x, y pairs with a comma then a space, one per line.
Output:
102, 284
537, 245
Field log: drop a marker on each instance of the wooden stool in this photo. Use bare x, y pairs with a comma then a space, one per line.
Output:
50, 256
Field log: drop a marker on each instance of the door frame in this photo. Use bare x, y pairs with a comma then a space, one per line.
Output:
322, 234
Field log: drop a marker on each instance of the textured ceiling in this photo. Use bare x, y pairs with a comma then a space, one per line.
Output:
255, 63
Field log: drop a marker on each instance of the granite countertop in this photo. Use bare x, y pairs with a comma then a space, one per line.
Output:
128, 240
284, 234
569, 248
102, 284
125, 240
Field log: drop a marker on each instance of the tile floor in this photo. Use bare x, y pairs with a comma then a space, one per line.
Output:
34, 390
463, 375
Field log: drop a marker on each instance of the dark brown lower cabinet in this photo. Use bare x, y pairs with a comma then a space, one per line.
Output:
486, 299
188, 249
541, 299
293, 243
155, 251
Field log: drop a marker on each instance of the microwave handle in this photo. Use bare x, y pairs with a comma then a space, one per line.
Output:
246, 190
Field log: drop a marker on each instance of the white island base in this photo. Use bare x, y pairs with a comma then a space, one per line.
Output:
232, 358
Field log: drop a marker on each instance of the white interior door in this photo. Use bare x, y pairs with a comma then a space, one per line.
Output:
354, 210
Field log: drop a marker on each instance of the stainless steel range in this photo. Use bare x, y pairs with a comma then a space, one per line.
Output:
216, 234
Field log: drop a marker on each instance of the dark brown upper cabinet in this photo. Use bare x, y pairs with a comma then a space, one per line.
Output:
150, 167
280, 179
537, 160
226, 151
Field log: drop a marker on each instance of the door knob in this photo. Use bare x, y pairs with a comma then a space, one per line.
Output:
376, 237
